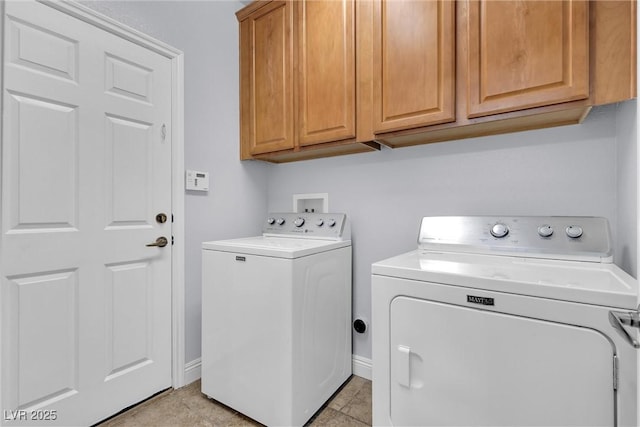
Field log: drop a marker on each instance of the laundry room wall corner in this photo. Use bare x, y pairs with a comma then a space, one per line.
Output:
626, 237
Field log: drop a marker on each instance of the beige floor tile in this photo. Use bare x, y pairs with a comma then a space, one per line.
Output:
348, 392
360, 406
115, 422
331, 417
188, 407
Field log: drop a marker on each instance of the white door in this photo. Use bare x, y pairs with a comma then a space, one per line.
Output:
86, 166
460, 366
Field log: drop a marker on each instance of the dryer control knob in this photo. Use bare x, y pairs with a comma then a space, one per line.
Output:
331, 222
545, 230
280, 221
574, 231
271, 221
499, 230
320, 223
299, 222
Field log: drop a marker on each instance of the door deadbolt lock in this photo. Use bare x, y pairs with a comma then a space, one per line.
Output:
160, 242
161, 218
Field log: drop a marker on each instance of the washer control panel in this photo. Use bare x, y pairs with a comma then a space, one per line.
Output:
307, 224
556, 237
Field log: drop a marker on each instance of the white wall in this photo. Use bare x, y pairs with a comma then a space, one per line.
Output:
207, 33
626, 245
569, 170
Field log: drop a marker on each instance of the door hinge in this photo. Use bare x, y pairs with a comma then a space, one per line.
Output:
621, 320
615, 372
172, 218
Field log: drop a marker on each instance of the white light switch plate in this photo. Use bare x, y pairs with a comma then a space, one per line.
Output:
197, 180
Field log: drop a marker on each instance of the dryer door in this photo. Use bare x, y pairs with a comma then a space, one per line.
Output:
453, 365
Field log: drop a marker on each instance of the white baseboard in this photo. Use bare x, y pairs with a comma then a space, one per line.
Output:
192, 371
361, 367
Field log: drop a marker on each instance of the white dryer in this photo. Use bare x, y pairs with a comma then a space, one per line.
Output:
276, 317
504, 321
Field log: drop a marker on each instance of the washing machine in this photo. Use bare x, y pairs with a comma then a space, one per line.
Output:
276, 317
505, 321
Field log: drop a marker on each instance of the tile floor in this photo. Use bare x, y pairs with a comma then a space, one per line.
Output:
350, 406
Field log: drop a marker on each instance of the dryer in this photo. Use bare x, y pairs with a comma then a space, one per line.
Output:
504, 321
276, 317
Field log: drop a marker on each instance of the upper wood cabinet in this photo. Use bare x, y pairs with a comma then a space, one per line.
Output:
524, 54
298, 80
326, 71
329, 77
522, 65
266, 89
414, 63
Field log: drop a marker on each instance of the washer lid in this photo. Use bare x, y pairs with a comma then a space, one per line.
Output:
279, 247
584, 282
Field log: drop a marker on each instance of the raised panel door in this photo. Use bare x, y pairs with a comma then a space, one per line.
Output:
266, 79
326, 64
414, 64
524, 54
85, 305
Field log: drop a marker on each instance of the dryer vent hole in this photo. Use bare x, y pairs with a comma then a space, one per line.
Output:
360, 326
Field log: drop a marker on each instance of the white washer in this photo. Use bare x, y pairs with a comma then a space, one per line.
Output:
276, 317
504, 321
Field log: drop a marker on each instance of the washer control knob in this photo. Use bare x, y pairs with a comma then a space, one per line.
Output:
299, 222
271, 221
320, 222
499, 230
545, 230
574, 231
331, 222
280, 221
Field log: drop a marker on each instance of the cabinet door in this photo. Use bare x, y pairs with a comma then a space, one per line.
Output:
525, 54
326, 66
266, 79
413, 59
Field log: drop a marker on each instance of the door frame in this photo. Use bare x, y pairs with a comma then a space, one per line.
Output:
176, 57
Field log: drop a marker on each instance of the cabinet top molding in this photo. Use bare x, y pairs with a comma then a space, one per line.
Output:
246, 11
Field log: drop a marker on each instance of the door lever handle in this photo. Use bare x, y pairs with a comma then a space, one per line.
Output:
160, 242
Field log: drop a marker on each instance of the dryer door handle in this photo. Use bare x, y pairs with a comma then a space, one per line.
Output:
622, 319
402, 366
